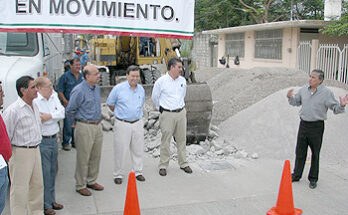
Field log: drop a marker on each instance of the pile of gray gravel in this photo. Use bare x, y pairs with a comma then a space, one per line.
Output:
236, 89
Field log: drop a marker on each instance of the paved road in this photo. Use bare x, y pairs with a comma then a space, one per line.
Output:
234, 186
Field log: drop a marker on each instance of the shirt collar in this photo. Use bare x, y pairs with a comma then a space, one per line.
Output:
88, 85
22, 103
129, 86
317, 89
40, 97
169, 77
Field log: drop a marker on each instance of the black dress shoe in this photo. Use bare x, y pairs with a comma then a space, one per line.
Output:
312, 184
163, 172
118, 180
140, 178
294, 179
187, 169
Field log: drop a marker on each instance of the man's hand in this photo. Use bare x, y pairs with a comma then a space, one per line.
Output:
344, 101
45, 116
65, 103
290, 93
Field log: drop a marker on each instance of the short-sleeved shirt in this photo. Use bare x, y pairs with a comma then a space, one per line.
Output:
128, 103
84, 59
67, 82
23, 123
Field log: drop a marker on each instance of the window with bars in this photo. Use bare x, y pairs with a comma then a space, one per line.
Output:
234, 44
268, 44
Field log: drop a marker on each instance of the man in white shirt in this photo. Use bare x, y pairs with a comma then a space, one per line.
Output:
51, 111
23, 125
168, 95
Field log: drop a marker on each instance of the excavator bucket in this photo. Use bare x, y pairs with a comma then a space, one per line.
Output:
198, 104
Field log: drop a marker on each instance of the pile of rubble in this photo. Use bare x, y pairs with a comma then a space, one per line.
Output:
210, 149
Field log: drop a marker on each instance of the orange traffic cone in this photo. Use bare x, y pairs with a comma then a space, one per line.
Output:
285, 202
132, 204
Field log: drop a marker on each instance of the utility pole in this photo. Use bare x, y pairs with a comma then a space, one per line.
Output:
291, 12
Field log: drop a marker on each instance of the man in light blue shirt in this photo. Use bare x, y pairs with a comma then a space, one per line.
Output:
126, 100
85, 108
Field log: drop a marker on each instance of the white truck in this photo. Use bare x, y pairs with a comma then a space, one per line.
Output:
33, 54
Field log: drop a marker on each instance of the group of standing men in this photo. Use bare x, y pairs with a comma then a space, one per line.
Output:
30, 125
126, 100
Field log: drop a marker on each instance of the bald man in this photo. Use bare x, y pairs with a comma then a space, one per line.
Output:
85, 108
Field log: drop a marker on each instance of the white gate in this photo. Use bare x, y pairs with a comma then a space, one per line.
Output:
343, 66
304, 56
328, 60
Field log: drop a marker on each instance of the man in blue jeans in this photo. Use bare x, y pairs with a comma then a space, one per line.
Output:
5, 154
51, 111
65, 85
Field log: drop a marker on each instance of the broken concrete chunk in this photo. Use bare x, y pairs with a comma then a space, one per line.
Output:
154, 115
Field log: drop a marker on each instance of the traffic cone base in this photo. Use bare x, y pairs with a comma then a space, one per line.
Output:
285, 202
273, 211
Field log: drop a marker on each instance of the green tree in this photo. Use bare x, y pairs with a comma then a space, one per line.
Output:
313, 9
229, 13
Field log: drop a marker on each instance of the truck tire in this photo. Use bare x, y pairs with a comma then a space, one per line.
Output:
156, 74
104, 79
148, 76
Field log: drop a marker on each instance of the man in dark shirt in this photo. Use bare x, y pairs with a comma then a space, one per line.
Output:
315, 100
65, 85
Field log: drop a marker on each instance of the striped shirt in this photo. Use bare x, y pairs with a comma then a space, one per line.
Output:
315, 105
23, 124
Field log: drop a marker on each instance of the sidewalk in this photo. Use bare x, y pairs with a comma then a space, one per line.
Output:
246, 187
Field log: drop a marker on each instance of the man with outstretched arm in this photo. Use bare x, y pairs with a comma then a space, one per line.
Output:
315, 99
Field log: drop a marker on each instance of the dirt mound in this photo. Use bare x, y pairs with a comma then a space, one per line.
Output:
236, 89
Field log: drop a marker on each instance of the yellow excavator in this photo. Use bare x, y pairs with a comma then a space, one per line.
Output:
113, 56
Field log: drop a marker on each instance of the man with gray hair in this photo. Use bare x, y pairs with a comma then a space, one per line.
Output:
315, 100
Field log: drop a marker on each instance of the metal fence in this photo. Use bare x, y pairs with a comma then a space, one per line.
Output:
343, 66
304, 56
329, 58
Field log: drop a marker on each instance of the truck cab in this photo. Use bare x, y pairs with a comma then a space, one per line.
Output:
25, 54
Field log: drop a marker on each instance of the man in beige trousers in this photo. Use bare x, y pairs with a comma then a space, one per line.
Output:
23, 124
168, 95
85, 108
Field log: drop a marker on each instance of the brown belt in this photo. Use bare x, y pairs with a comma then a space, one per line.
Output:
88, 122
26, 147
51, 136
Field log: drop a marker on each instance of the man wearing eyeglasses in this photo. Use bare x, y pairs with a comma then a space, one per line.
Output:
51, 111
